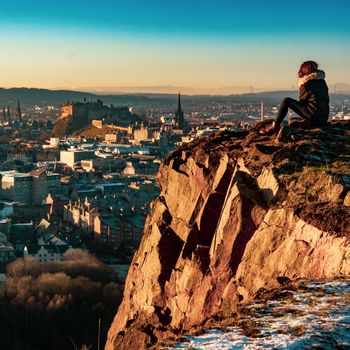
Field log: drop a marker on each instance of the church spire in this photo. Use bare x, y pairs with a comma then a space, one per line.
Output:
179, 103
179, 114
3, 113
8, 114
19, 112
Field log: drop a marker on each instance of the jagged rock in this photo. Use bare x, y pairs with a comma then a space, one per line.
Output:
238, 213
347, 199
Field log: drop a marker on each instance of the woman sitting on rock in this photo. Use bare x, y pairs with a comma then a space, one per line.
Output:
313, 104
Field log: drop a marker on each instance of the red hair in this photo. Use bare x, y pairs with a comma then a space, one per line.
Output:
307, 67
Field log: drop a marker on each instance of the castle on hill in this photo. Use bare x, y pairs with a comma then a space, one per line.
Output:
90, 110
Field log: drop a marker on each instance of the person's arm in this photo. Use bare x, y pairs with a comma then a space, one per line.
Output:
303, 94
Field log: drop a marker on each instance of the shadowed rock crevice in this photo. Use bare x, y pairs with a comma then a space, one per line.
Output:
202, 258
176, 164
248, 227
169, 248
163, 315
208, 221
225, 181
191, 243
248, 186
210, 217
197, 209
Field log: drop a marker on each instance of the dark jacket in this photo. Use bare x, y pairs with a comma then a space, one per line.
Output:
313, 94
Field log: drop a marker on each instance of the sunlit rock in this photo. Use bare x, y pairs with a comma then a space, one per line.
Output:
238, 213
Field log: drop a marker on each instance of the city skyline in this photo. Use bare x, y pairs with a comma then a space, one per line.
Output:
206, 47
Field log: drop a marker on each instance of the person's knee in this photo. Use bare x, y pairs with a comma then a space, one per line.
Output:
286, 101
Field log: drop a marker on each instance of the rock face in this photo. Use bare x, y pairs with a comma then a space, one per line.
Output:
238, 213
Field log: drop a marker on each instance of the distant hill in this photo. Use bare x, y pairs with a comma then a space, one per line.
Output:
31, 96
44, 96
341, 88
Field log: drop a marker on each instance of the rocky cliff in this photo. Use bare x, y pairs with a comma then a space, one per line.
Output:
238, 213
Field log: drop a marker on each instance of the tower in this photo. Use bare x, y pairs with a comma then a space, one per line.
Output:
19, 112
262, 110
3, 114
8, 114
179, 115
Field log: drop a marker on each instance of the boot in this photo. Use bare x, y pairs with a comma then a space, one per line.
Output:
270, 130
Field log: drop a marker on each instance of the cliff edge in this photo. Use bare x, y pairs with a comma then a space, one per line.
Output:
238, 213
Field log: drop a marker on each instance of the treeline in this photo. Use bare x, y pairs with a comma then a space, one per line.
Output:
58, 305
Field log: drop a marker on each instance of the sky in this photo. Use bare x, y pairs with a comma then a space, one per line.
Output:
198, 46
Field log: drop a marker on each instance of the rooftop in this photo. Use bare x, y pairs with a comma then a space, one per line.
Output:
14, 174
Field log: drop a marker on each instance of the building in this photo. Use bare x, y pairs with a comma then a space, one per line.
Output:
39, 186
167, 124
16, 186
97, 123
72, 156
111, 188
54, 141
129, 169
144, 134
80, 214
25, 156
114, 210
107, 229
93, 110
7, 251
5, 226
111, 137
56, 203
22, 234
88, 165
27, 188
45, 253
53, 183
119, 231
46, 247
6, 210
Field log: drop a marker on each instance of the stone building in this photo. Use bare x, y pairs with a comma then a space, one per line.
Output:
39, 185
111, 137
7, 251
145, 134
6, 210
25, 156
107, 229
122, 231
93, 110
80, 214
73, 156
16, 186
45, 253
28, 188
53, 183
56, 202
129, 169
5, 226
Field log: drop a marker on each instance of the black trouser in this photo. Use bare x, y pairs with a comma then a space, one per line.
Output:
295, 106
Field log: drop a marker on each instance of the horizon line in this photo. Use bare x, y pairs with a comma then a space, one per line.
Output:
170, 90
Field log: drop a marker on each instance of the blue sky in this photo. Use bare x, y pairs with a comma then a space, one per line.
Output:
202, 17
199, 44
